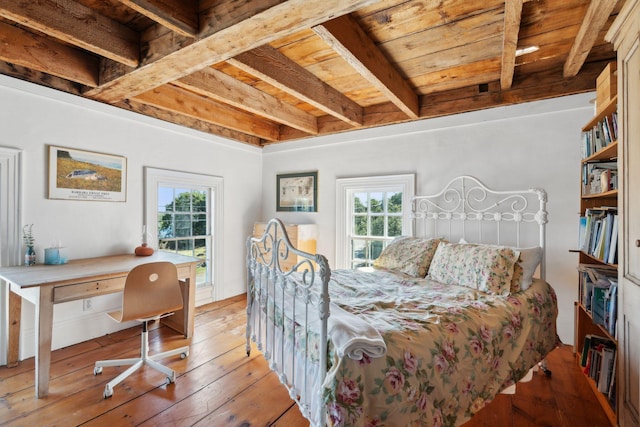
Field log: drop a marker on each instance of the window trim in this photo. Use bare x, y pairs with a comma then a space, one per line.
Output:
383, 183
154, 177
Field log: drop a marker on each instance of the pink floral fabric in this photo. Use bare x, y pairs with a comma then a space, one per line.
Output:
450, 349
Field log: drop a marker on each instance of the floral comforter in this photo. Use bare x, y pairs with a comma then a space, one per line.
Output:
450, 349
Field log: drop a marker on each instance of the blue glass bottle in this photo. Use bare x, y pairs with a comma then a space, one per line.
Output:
30, 256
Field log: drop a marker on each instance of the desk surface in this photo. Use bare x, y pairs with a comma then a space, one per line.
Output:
86, 269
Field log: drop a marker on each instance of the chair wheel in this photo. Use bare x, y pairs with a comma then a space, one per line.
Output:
183, 355
97, 370
169, 380
107, 393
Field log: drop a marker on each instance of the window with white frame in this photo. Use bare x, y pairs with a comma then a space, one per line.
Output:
183, 214
371, 211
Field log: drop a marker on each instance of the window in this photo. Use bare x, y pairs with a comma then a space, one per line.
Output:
371, 212
184, 215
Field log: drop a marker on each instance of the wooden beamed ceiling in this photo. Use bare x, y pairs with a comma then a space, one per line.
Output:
268, 71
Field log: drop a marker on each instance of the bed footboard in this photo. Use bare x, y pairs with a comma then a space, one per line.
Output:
287, 314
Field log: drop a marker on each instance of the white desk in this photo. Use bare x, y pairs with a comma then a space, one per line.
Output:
46, 285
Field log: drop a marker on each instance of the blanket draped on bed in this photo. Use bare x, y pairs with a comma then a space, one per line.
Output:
449, 349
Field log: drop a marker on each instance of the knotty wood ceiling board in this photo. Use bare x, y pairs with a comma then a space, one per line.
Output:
267, 71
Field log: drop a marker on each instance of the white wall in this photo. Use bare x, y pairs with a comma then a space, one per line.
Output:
31, 117
519, 147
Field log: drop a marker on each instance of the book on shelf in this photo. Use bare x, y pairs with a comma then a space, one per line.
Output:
598, 291
603, 133
599, 360
599, 233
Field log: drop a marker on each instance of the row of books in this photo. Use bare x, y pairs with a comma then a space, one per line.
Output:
598, 360
599, 177
602, 134
598, 288
599, 234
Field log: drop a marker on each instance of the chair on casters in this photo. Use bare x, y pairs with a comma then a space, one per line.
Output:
151, 291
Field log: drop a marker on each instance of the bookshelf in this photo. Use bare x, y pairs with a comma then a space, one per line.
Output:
595, 309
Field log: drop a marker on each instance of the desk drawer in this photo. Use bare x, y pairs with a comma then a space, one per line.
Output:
88, 289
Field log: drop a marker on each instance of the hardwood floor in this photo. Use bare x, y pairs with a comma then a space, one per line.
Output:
218, 385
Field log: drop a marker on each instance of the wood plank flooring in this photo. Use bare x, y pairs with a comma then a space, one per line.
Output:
218, 385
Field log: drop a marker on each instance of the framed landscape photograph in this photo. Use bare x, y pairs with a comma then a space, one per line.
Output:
297, 192
86, 175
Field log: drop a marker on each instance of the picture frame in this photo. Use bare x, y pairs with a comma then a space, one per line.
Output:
297, 192
86, 175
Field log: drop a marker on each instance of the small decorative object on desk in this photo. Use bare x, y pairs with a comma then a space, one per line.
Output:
53, 255
144, 249
29, 241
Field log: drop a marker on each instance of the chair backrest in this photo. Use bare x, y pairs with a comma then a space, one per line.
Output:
151, 289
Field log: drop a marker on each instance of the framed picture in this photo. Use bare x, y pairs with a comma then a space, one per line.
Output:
297, 192
85, 175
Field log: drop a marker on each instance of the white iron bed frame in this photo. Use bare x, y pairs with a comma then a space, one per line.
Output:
464, 209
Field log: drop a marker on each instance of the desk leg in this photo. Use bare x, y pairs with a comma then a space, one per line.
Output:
44, 327
15, 310
183, 320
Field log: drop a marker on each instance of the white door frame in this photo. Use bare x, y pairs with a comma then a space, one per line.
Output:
10, 230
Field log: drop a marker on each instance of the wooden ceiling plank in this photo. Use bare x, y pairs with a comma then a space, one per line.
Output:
189, 122
178, 100
276, 69
216, 15
455, 57
218, 85
347, 38
548, 84
270, 24
180, 16
45, 79
26, 49
78, 25
512, 17
597, 15
444, 37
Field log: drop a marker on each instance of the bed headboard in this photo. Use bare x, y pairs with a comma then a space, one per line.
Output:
466, 209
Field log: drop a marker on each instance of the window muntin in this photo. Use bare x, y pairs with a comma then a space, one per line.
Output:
371, 211
377, 219
183, 226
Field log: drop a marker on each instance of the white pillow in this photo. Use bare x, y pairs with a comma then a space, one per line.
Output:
526, 266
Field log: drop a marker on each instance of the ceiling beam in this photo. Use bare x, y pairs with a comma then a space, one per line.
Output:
26, 49
224, 88
271, 66
78, 25
597, 15
267, 25
178, 100
512, 17
189, 122
350, 41
180, 16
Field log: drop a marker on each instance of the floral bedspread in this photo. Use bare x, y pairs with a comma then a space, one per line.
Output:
450, 349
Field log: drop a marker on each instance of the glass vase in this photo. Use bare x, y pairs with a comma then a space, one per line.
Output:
30, 256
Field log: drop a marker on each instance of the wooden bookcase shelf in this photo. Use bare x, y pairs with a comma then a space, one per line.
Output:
606, 201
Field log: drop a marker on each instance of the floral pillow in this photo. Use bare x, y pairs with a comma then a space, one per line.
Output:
408, 255
482, 267
524, 269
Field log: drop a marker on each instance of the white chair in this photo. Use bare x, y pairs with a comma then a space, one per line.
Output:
151, 291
